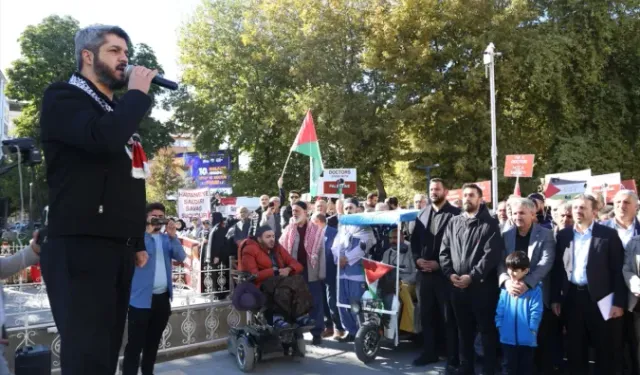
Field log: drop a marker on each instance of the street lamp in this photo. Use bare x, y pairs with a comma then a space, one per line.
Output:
489, 63
428, 168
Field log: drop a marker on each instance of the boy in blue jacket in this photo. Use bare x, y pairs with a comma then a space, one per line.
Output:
518, 319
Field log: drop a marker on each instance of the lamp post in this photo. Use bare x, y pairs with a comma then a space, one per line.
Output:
428, 169
489, 63
31, 205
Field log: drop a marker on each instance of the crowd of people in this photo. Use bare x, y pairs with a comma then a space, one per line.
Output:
530, 288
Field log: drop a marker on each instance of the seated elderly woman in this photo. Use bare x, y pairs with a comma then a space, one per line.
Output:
278, 277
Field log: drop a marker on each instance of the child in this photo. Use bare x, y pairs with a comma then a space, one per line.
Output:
518, 318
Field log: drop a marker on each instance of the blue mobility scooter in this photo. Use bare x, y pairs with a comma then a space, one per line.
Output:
258, 340
378, 324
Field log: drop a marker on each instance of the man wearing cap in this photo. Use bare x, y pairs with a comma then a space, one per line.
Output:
348, 254
263, 257
543, 219
304, 241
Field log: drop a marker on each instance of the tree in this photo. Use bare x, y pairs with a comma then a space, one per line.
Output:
47, 56
395, 85
165, 180
255, 67
564, 85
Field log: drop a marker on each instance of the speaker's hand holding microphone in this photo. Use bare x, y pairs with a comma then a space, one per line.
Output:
141, 78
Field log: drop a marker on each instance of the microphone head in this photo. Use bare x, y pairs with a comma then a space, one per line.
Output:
127, 71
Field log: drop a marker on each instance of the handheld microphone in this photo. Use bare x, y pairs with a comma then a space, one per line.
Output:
157, 80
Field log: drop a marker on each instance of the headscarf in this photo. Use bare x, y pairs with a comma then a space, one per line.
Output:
313, 238
346, 232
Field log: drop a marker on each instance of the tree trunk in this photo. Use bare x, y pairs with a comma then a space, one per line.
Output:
382, 193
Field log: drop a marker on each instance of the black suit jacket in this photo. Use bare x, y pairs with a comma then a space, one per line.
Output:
604, 266
423, 243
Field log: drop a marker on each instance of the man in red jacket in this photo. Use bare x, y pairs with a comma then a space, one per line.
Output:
264, 257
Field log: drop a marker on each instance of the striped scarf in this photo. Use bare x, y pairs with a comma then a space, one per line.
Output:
312, 240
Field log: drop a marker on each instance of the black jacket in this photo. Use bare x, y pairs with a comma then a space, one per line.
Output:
604, 266
472, 246
91, 190
425, 245
218, 246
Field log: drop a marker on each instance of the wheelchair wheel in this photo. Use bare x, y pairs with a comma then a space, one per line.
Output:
245, 355
367, 343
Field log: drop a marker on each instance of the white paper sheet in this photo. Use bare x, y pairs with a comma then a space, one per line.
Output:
605, 305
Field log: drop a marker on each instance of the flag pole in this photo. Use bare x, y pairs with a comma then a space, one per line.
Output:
286, 162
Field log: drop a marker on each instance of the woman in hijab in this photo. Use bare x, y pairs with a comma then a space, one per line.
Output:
216, 254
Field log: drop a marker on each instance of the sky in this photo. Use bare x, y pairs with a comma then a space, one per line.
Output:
154, 22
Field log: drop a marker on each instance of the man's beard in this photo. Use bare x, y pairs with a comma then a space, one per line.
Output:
107, 76
438, 199
266, 245
469, 207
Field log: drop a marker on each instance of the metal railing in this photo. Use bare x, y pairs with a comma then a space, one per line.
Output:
202, 312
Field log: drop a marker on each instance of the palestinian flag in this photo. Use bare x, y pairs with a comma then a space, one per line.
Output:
564, 189
373, 271
306, 143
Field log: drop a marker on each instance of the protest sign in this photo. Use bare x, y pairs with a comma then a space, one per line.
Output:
194, 204
519, 166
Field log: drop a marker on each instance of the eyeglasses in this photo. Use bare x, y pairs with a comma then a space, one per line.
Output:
294, 197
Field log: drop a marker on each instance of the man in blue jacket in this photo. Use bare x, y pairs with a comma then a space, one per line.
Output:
151, 293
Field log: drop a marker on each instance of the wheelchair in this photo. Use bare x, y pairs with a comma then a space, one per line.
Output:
259, 340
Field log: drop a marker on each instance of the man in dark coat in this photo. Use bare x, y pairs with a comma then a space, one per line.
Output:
469, 256
433, 289
96, 172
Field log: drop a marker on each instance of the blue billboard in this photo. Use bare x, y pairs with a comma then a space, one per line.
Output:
210, 170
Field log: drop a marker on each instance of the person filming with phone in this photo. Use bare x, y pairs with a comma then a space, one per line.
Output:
271, 217
96, 171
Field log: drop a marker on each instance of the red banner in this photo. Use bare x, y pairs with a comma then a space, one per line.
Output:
349, 188
485, 186
519, 166
454, 195
630, 185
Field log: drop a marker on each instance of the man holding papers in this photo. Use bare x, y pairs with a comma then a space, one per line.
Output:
587, 281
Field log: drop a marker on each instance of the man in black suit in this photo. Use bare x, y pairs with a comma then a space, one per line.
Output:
587, 269
433, 288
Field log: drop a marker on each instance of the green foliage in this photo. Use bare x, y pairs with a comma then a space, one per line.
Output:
395, 85
47, 56
256, 67
165, 180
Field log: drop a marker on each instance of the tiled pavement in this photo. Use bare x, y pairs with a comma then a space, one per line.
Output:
331, 358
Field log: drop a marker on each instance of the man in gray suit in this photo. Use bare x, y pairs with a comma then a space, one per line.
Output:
539, 245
